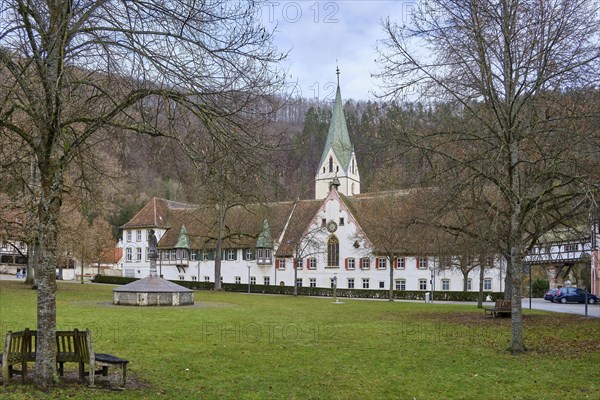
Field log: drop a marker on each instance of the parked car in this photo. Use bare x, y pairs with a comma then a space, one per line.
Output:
574, 295
550, 294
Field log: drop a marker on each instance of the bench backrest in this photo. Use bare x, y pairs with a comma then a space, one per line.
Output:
18, 346
74, 346
503, 304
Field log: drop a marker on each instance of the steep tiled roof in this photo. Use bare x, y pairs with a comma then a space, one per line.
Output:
156, 213
111, 256
299, 222
338, 138
390, 220
243, 225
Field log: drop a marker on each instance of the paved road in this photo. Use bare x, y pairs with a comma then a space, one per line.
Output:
570, 308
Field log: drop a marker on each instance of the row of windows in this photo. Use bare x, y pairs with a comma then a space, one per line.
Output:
399, 284
135, 253
350, 263
138, 235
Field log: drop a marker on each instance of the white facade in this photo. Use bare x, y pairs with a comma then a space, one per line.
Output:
355, 267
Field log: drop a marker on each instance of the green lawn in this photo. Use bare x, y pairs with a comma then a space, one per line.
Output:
238, 346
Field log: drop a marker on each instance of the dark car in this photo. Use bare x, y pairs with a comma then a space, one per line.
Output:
550, 294
574, 295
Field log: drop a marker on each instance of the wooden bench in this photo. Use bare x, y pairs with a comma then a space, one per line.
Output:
19, 349
71, 346
502, 308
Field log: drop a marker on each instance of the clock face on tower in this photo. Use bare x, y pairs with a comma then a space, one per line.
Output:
331, 226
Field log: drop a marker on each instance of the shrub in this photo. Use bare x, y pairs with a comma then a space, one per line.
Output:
539, 287
316, 291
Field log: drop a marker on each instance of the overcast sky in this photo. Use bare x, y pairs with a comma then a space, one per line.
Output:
318, 33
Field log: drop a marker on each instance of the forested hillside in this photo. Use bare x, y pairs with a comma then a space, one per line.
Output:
159, 167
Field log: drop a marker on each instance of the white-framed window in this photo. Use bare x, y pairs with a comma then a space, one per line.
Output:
183, 254
138, 254
422, 263
181, 277
299, 263
422, 284
365, 283
253, 280
381, 285
487, 284
238, 280
312, 282
400, 284
312, 263
445, 284
469, 284
266, 280
381, 263
128, 233
350, 283
401, 263
231, 254
350, 263
165, 255
194, 278
280, 263
248, 254
173, 254
138, 235
365, 263
263, 253
129, 254
194, 255
206, 278
299, 282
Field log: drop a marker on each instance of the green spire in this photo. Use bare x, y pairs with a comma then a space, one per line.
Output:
264, 241
183, 242
337, 136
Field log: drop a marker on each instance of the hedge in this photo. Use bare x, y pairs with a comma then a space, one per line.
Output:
316, 291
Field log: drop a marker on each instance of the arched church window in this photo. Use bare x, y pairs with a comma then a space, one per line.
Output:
330, 164
352, 188
333, 252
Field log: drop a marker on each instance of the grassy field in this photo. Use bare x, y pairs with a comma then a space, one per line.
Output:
238, 346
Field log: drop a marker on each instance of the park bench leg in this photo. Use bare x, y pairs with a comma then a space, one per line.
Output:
81, 372
123, 375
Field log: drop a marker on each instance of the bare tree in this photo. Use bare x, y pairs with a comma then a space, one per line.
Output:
515, 149
74, 70
392, 224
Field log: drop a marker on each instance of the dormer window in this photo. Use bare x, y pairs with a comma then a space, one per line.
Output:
263, 256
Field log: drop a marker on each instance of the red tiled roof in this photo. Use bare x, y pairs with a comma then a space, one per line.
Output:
156, 213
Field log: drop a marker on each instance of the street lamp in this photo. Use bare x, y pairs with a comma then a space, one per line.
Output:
249, 265
432, 281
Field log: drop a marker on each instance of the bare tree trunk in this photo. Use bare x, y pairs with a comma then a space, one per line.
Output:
32, 261
295, 261
391, 296
45, 360
481, 276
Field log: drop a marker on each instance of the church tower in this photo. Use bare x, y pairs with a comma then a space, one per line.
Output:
338, 159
